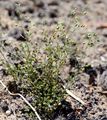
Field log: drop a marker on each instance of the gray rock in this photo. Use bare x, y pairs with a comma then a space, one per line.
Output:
4, 106
102, 80
18, 34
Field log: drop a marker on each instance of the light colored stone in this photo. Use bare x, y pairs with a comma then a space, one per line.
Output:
8, 112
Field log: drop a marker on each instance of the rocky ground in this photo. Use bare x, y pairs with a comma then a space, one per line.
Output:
19, 16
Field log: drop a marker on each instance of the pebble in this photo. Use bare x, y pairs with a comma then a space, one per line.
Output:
8, 112
39, 3
53, 13
53, 3
102, 80
12, 11
18, 34
4, 106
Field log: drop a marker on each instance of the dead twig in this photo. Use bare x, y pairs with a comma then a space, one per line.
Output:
74, 96
102, 92
102, 26
17, 94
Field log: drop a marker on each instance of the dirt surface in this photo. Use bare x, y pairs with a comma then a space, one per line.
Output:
19, 16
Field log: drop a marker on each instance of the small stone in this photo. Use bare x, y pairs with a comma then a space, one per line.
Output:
12, 11
102, 80
27, 9
18, 34
4, 106
53, 3
8, 112
29, 99
41, 14
104, 118
39, 3
53, 13
3, 71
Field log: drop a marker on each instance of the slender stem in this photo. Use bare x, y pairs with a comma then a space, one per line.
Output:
17, 94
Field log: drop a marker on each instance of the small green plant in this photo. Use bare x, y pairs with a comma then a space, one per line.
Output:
39, 69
